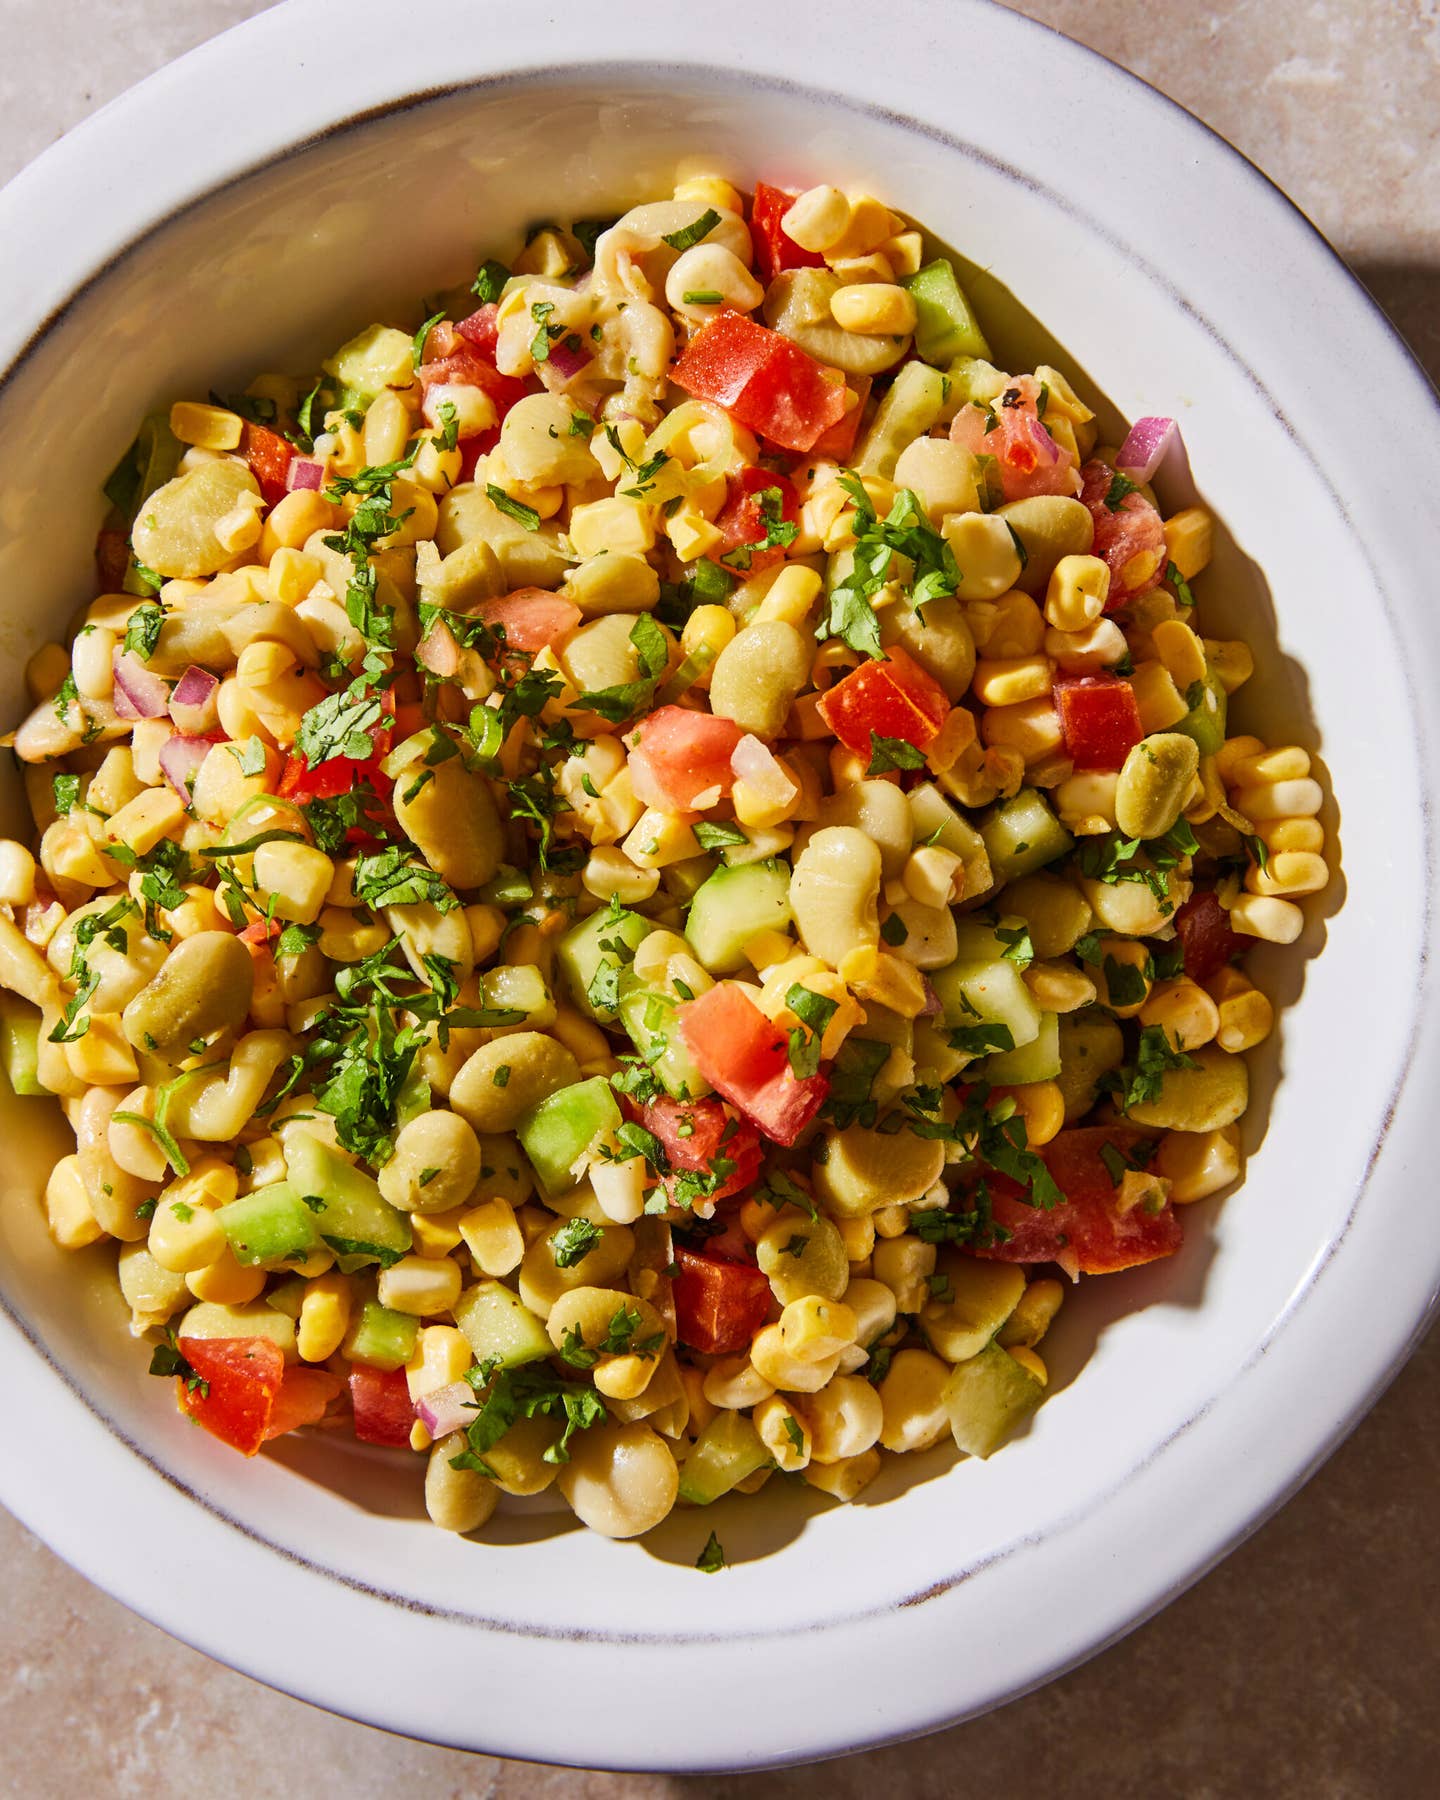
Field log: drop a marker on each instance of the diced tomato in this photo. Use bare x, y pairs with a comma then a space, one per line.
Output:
775, 249
743, 520
839, 441
454, 356
719, 1306
894, 699
1086, 1234
530, 617
745, 1058
112, 559
269, 456
234, 1397
1129, 537
326, 781
1099, 718
482, 329
762, 380
1028, 459
1206, 936
677, 755
472, 449
696, 1133
303, 1398
384, 1411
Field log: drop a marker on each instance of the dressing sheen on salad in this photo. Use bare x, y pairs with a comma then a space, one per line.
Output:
633, 879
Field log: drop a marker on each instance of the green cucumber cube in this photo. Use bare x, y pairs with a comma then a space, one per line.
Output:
649, 1018
947, 326
582, 956
1205, 721
272, 1225
1039, 1060
501, 1327
935, 821
732, 907
988, 1398
982, 990
558, 1133
353, 1219
1022, 835
907, 412
380, 1338
725, 1453
20, 1046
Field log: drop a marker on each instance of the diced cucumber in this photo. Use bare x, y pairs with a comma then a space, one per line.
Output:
907, 412
937, 822
983, 990
1205, 721
947, 326
726, 1451
649, 1018
558, 1134
354, 1220
1091, 1044
581, 955
1022, 835
980, 1298
732, 907
1039, 1060
380, 1338
20, 1046
377, 358
973, 379
500, 1326
987, 1398
272, 1225
209, 1319
288, 1297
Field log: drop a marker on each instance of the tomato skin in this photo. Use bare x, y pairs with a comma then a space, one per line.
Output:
1206, 937
678, 754
706, 1140
895, 699
384, 1411
482, 329
838, 443
244, 1376
454, 355
1027, 458
1100, 719
112, 559
1132, 529
304, 1396
1086, 1234
775, 249
762, 380
742, 521
719, 1306
745, 1058
531, 618
269, 456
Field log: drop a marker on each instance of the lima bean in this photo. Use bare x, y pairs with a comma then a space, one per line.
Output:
1049, 526
504, 1079
175, 532
758, 675
1154, 783
204, 986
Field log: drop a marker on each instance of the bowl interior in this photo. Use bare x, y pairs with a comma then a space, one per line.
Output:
276, 269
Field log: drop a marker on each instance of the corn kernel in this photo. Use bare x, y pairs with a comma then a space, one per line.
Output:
494, 1237
1033, 1316
207, 427
692, 535
1230, 662
1189, 540
420, 1285
1184, 1012
659, 839
869, 225
296, 877
1284, 835
1160, 702
874, 309
1031, 728
1198, 1163
1031, 1363
616, 524
1289, 874
103, 1057
905, 252
1180, 651
1078, 589
1262, 916
442, 1355
67, 1207
817, 219
436, 1234
143, 821
1008, 681
324, 1317
791, 595
225, 1281
1300, 799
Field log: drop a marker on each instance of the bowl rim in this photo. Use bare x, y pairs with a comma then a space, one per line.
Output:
46, 181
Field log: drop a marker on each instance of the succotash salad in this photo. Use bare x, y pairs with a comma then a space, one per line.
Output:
629, 882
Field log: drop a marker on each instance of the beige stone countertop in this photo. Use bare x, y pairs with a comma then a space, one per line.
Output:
1307, 1664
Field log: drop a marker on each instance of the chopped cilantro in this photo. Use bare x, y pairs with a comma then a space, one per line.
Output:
689, 235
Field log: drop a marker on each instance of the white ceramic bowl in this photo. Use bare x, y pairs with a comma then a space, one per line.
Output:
354, 166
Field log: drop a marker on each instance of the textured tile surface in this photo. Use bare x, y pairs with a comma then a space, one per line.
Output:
1305, 1665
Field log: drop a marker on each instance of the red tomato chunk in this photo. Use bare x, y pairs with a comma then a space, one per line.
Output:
894, 699
719, 1306
775, 249
677, 755
1087, 1234
696, 1133
744, 519
745, 1058
531, 618
384, 1411
1207, 939
268, 455
243, 1394
762, 380
1099, 718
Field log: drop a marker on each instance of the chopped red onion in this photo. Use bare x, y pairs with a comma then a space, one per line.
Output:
193, 702
438, 651
1145, 447
754, 762
304, 472
1044, 443
567, 363
180, 760
932, 1006
138, 693
448, 1409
